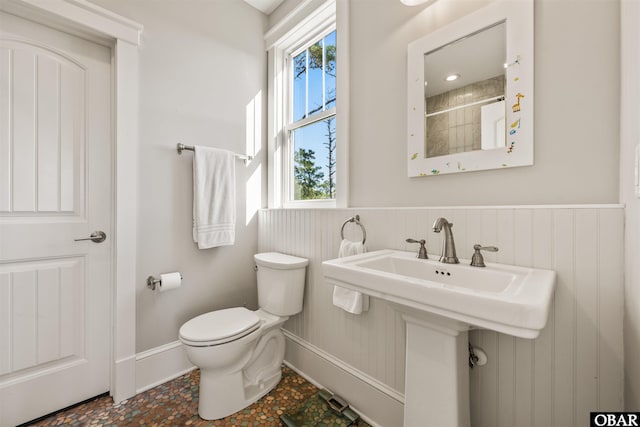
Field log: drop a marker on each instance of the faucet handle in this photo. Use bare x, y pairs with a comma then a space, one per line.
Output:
422, 252
477, 260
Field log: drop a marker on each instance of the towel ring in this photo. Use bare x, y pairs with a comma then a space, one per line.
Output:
355, 219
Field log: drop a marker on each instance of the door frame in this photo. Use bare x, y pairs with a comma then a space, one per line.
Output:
80, 17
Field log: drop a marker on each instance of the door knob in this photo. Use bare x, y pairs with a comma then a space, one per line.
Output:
96, 237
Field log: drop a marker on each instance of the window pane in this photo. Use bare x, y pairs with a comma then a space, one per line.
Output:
314, 171
300, 86
330, 70
315, 78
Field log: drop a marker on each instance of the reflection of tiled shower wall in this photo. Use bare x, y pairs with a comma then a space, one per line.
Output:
458, 130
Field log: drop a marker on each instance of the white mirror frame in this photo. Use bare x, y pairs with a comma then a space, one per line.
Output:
519, 77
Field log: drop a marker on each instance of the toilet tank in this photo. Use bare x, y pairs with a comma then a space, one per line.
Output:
280, 282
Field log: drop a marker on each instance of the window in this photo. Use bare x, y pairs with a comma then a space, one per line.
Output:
307, 134
311, 128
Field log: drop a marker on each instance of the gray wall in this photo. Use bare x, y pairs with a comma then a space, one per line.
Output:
629, 138
202, 65
576, 108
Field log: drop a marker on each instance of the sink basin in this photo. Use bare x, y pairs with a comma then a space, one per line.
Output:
508, 299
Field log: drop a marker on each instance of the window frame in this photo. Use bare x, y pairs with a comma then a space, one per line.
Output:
304, 29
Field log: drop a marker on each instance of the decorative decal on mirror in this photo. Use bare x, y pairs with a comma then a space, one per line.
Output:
515, 126
459, 85
516, 62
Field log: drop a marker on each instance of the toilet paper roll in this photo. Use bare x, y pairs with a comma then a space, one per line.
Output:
169, 281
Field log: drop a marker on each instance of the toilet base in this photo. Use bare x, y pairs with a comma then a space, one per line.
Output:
222, 394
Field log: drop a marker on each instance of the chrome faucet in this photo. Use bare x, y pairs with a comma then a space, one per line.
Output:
448, 245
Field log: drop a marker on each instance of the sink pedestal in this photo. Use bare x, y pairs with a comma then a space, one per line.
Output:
437, 371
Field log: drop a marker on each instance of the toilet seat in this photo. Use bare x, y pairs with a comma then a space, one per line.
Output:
219, 327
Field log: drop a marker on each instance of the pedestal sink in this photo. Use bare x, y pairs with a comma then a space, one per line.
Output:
440, 303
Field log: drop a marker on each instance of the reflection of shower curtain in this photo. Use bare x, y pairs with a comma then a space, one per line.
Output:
492, 124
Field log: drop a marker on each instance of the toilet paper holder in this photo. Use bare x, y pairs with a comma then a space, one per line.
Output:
153, 282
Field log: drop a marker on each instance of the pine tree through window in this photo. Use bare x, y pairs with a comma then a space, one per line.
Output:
312, 124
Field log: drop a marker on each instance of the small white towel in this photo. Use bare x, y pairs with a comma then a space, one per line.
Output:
214, 197
348, 300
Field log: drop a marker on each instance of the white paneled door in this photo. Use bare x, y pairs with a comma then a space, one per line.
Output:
55, 187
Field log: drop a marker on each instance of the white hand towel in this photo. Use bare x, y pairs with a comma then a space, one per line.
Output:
348, 300
214, 197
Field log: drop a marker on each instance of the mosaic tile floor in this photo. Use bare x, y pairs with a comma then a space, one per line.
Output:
176, 404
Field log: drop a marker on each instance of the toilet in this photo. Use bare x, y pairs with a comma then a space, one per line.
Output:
239, 351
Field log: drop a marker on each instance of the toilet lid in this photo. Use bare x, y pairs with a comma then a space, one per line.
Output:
220, 325
280, 261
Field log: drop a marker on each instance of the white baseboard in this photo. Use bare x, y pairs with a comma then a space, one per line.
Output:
123, 385
161, 364
377, 404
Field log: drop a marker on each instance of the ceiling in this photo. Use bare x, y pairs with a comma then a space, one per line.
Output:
265, 6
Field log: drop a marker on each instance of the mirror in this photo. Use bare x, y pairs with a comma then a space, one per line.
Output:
464, 93
470, 93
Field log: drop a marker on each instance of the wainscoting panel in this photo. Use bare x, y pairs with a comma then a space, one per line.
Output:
574, 367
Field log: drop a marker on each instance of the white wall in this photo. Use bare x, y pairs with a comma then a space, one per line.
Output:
202, 77
573, 367
629, 139
576, 110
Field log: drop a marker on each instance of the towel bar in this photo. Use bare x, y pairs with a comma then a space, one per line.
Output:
181, 147
355, 219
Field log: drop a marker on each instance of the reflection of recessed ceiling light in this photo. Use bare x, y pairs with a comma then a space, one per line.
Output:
452, 77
